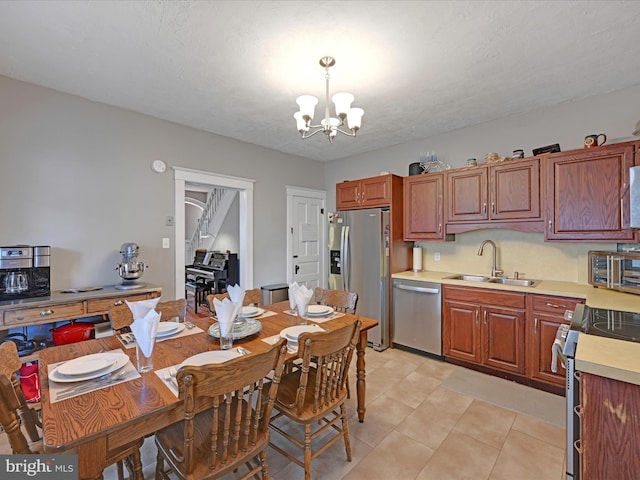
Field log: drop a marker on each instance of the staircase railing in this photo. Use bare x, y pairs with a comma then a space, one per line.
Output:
213, 200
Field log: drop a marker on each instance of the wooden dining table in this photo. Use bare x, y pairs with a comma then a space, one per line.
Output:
96, 422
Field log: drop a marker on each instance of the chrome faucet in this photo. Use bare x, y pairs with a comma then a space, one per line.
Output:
494, 270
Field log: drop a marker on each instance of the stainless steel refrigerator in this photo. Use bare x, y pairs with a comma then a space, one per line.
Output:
359, 262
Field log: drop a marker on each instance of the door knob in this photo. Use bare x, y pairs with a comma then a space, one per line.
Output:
297, 268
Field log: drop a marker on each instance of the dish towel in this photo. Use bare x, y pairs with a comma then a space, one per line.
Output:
145, 323
292, 295
303, 296
227, 312
556, 352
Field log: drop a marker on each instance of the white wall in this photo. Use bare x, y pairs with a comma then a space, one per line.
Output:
614, 114
76, 175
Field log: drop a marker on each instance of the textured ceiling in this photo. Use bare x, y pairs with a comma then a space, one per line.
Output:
235, 67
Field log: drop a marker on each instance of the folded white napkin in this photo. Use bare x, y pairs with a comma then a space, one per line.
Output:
292, 295
236, 294
303, 296
145, 323
226, 311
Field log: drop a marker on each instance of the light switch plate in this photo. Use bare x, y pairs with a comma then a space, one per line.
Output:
166, 243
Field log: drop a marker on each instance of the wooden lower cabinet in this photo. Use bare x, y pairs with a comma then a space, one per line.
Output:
610, 425
546, 315
485, 327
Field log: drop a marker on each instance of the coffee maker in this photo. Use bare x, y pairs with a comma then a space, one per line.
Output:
24, 272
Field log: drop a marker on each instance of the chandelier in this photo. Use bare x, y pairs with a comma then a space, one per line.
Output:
329, 125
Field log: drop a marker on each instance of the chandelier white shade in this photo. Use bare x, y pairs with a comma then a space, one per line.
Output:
329, 125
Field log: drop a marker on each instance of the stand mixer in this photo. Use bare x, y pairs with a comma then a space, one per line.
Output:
130, 269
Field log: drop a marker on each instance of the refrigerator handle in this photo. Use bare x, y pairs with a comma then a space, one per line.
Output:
344, 256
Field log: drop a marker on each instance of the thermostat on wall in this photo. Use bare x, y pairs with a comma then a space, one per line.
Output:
158, 166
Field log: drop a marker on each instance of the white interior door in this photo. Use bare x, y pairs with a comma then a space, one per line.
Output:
306, 251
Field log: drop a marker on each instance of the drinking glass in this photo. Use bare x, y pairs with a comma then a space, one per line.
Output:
144, 363
302, 314
226, 341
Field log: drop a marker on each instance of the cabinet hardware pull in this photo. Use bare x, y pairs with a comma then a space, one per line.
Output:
485, 317
493, 207
44, 313
484, 207
550, 226
117, 303
553, 305
477, 316
439, 228
578, 410
535, 324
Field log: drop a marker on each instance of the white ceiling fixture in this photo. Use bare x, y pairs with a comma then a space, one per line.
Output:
329, 125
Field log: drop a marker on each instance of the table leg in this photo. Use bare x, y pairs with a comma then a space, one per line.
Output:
361, 385
91, 457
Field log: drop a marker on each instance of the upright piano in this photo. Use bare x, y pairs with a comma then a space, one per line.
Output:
214, 269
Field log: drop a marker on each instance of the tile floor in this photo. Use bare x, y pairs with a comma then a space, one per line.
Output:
419, 426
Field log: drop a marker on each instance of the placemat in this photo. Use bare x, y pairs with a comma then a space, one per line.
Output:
128, 340
59, 391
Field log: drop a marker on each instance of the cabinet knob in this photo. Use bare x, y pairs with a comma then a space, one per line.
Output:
117, 303
45, 313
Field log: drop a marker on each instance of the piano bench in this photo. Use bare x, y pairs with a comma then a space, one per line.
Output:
200, 291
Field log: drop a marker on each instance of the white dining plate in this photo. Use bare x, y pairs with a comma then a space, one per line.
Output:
250, 312
86, 365
292, 333
118, 360
214, 356
240, 330
319, 310
166, 329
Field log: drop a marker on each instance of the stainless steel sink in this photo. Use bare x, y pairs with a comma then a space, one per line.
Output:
469, 278
515, 282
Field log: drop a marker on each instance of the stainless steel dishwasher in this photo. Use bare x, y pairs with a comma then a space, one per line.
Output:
417, 315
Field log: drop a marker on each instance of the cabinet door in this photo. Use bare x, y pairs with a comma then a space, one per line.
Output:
546, 314
348, 195
610, 428
504, 335
545, 327
515, 191
376, 191
423, 208
105, 305
467, 195
587, 194
461, 333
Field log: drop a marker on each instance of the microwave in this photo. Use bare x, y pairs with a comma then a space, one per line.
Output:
615, 270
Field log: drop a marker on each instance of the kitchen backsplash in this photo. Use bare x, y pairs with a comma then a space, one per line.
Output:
526, 253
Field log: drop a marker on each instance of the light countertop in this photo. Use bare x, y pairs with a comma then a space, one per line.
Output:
602, 356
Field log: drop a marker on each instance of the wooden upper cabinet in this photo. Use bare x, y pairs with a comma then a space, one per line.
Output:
507, 192
366, 193
515, 190
348, 195
587, 195
424, 207
467, 195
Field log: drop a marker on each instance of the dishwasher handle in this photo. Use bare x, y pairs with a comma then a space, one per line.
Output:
417, 289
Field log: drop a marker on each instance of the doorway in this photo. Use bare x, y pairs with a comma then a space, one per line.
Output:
244, 187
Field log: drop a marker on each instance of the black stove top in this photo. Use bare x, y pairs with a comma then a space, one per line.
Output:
607, 323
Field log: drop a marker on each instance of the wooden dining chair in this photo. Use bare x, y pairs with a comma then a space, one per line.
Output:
314, 394
338, 299
234, 431
16, 416
122, 317
251, 297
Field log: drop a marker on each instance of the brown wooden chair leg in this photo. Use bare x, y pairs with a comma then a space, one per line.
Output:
120, 469
307, 451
